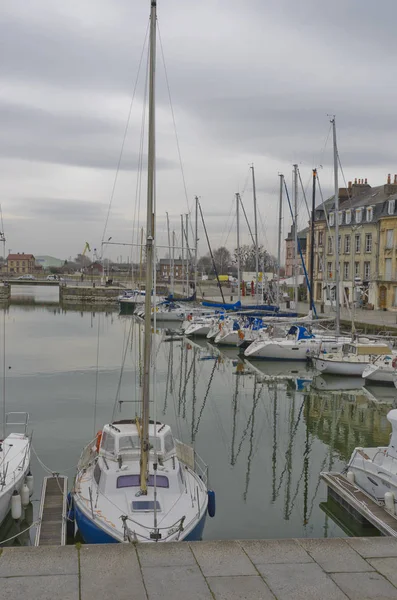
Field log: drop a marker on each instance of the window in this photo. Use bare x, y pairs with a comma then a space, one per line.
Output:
395, 297
340, 217
388, 269
359, 215
107, 442
147, 505
329, 270
134, 481
319, 290
391, 207
357, 243
356, 269
320, 238
330, 244
368, 242
348, 217
367, 270
97, 474
129, 442
331, 219
319, 263
339, 243
347, 244
161, 481
389, 238
346, 270
370, 214
168, 443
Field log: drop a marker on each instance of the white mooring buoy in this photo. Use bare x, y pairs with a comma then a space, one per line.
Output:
29, 482
25, 495
350, 476
389, 502
16, 505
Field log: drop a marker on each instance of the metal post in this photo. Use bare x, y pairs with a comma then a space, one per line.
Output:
296, 250
196, 246
280, 215
183, 254
312, 240
238, 247
336, 193
187, 254
256, 235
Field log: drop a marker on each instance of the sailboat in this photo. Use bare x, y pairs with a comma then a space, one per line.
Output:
135, 482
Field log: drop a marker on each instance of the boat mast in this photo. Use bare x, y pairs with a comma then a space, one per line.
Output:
195, 245
336, 211
296, 260
173, 264
312, 240
238, 248
169, 247
183, 254
187, 254
256, 235
280, 216
149, 254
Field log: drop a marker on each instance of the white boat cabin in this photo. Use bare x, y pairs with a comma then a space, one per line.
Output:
121, 441
367, 349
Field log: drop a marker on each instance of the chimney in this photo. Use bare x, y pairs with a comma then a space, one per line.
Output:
355, 181
350, 185
395, 179
389, 178
366, 181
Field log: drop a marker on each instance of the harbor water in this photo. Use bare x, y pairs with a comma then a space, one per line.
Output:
265, 429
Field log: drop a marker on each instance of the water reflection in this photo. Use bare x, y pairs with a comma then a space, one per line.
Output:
265, 429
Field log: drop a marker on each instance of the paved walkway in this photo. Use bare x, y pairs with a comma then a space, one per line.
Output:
309, 569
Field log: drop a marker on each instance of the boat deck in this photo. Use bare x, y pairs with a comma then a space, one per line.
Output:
360, 504
51, 530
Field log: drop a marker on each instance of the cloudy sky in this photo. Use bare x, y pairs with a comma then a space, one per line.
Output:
251, 82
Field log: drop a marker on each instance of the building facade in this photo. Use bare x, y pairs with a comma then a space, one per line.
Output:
290, 251
367, 237
165, 269
19, 264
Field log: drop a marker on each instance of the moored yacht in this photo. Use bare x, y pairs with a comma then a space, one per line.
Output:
351, 358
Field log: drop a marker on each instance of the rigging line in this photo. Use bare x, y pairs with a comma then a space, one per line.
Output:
205, 398
117, 398
138, 187
125, 134
245, 182
303, 192
246, 218
174, 124
97, 371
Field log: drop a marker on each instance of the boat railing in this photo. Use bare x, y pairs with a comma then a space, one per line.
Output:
188, 456
18, 419
87, 456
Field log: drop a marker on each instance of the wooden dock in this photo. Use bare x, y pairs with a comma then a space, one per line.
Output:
359, 504
51, 530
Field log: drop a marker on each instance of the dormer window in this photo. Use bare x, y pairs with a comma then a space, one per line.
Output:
348, 217
370, 214
359, 215
391, 207
340, 217
331, 219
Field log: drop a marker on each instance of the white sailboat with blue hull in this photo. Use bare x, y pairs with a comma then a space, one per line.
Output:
135, 482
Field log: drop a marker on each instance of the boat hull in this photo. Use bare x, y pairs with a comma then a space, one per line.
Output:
93, 534
275, 351
336, 367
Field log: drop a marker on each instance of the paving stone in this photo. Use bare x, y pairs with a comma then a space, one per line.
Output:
249, 587
275, 551
365, 586
111, 571
41, 560
222, 558
178, 583
386, 566
300, 582
374, 547
41, 587
335, 555
165, 555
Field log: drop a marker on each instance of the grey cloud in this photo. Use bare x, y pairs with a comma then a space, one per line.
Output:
33, 134
60, 209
